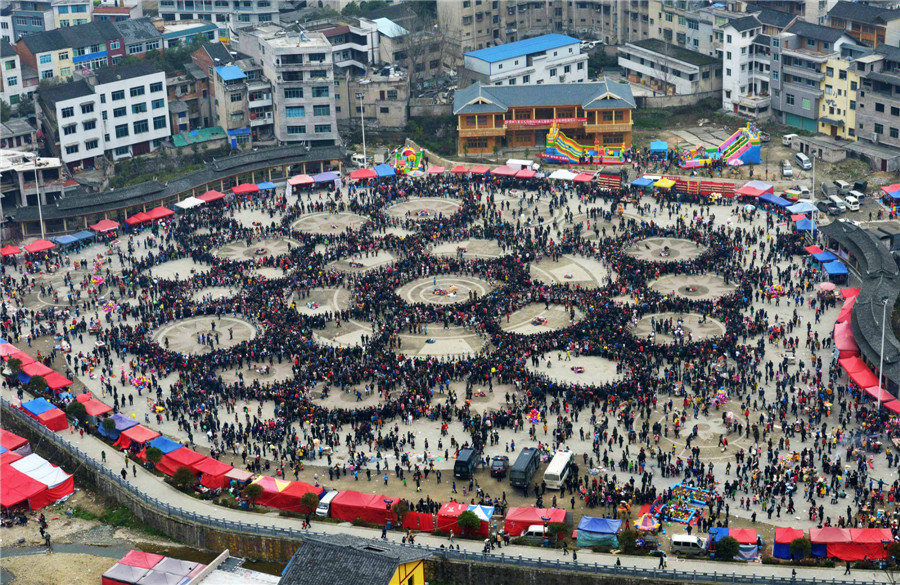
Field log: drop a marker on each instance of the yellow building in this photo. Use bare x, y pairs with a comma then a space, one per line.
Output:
341, 558
837, 108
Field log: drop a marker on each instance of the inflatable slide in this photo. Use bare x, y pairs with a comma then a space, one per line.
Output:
742, 146
562, 149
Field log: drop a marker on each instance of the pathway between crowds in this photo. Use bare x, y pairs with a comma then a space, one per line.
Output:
681, 569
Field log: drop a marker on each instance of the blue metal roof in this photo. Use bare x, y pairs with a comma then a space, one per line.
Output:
230, 73
526, 47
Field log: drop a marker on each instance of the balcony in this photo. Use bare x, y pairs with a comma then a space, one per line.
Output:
261, 119
808, 55
753, 101
803, 72
260, 103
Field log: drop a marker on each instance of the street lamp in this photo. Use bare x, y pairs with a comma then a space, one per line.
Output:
884, 304
362, 120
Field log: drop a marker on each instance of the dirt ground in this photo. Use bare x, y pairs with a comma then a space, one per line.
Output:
56, 568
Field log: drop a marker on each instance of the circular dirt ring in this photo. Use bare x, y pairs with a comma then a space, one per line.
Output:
183, 335
654, 249
423, 208
528, 319
690, 325
329, 223
706, 286
456, 288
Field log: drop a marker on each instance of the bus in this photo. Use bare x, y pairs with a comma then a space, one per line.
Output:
558, 470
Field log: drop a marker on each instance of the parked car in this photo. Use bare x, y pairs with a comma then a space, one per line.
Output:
499, 466
787, 139
764, 137
828, 189
786, 169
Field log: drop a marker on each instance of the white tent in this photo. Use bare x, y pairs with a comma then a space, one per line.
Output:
563, 175
39, 469
189, 203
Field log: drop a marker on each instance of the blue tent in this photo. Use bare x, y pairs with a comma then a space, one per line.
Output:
37, 406
164, 444
65, 240
824, 257
325, 177
384, 170
835, 268
642, 182
801, 207
123, 423
774, 199
84, 235
598, 531
265, 185
805, 225
659, 146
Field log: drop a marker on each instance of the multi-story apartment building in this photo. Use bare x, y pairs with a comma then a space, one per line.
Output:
227, 14
420, 53
190, 100
231, 106
670, 69
117, 13
747, 68
812, 11
838, 106
116, 113
381, 98
551, 58
300, 67
12, 79
869, 24
60, 53
878, 107
185, 32
20, 174
799, 58
30, 17
354, 42
686, 24
72, 12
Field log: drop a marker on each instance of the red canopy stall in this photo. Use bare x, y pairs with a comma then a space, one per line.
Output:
212, 472
182, 457
518, 520
350, 505
136, 434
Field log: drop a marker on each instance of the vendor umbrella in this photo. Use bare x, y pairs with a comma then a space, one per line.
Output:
735, 162
828, 286
40, 246
363, 174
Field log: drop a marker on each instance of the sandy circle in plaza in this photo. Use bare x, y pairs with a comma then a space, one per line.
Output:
182, 335
455, 289
251, 218
471, 248
268, 272
181, 269
329, 223
214, 293
258, 249
597, 370
525, 321
653, 249
322, 300
706, 286
690, 324
585, 272
436, 341
423, 208
363, 263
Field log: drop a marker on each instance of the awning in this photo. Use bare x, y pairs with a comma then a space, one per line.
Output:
211, 196
824, 257
190, 203
384, 170
774, 199
562, 175
813, 250
877, 393
65, 240
797, 217
525, 174
892, 405
801, 207
363, 174
805, 225
504, 171
748, 191
159, 213
325, 177
245, 188
266, 185
139, 217
664, 183
297, 180
435, 170
583, 178
642, 182
659, 146
40, 246
84, 235
459, 170
479, 170
835, 268
10, 251
892, 189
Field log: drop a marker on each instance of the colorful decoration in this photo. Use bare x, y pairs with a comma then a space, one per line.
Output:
742, 147
560, 148
407, 159
539, 321
534, 416
110, 306
647, 523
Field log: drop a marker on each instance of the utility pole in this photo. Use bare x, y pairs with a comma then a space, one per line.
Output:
884, 304
362, 119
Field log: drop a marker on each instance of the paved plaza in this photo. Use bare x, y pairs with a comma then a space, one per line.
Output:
329, 223
687, 326
693, 286
574, 270
470, 248
204, 334
446, 289
538, 318
240, 251
665, 249
420, 208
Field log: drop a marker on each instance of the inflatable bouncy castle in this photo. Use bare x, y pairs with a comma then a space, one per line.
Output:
740, 148
562, 149
408, 159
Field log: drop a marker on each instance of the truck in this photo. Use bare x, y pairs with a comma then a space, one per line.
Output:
522, 164
523, 470
465, 464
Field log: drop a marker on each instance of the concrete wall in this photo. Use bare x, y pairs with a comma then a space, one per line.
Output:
671, 101
467, 573
419, 107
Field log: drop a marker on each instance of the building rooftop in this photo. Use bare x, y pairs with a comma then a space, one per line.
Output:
866, 13
230, 73
675, 52
769, 17
123, 72
112, 10
7, 50
218, 53
601, 95
816, 32
340, 558
16, 127
198, 136
66, 91
277, 36
82, 35
172, 31
525, 47
744, 23
389, 28
137, 30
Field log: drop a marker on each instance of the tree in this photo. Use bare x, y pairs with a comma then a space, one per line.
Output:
109, 425
628, 540
4, 111
309, 502
184, 478
76, 410
469, 522
14, 365
727, 548
36, 385
401, 508
800, 548
154, 455
252, 493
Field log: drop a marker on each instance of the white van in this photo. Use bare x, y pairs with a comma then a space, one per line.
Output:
324, 509
535, 533
684, 545
787, 139
558, 470
852, 202
843, 187
358, 160
803, 161
837, 202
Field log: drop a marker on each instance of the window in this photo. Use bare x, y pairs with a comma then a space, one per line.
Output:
527, 78
879, 108
296, 129
789, 99
879, 129
63, 9
118, 95
68, 112
90, 144
141, 126
137, 91
321, 110
295, 112
140, 108
852, 86
87, 108
320, 92
79, 9
114, 45
119, 112
89, 125
384, 110
135, 49
157, 104
121, 130
11, 81
159, 123
122, 151
567, 69
842, 74
323, 128
293, 93
46, 74
512, 81
152, 45
318, 74
155, 87
63, 56
46, 59
895, 133
72, 149
236, 97
829, 71
728, 71
580, 66
553, 72
775, 76
852, 104
69, 130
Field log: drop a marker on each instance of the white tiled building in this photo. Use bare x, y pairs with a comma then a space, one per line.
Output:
552, 58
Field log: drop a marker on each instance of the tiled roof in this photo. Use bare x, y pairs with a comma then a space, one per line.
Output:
770, 17
137, 30
744, 23
675, 52
114, 74
82, 35
6, 50
815, 31
597, 95
66, 91
218, 51
866, 13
